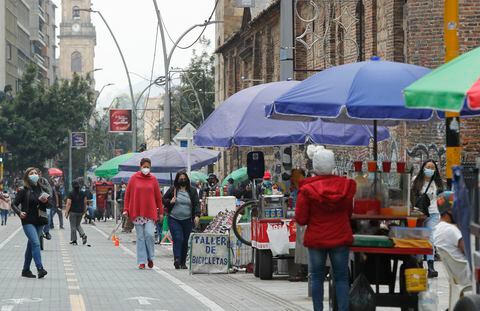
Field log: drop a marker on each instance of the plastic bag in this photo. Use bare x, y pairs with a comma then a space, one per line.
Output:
362, 296
428, 300
279, 239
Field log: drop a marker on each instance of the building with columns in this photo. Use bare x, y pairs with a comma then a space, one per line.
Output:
77, 39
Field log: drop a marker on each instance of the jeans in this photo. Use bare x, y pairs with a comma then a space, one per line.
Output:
145, 242
159, 227
180, 231
53, 212
4, 216
33, 246
339, 259
46, 228
431, 222
75, 225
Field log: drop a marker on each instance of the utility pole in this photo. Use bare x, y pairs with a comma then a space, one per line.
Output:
286, 39
452, 119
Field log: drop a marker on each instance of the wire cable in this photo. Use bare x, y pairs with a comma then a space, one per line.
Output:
199, 36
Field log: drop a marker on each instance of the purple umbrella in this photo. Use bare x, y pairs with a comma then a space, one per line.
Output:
169, 158
241, 121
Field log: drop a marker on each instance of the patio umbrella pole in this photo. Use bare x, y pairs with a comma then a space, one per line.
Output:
375, 140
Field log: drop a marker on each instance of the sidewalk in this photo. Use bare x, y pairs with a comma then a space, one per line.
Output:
105, 277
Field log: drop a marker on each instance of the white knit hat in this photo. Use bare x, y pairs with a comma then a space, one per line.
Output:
323, 159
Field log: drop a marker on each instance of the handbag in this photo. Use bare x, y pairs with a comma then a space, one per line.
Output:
423, 201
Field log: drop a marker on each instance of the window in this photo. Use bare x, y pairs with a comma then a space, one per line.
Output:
76, 12
76, 62
360, 15
9, 51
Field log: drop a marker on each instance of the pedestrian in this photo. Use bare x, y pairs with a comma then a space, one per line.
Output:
120, 200
76, 207
325, 205
5, 203
109, 205
45, 185
143, 205
428, 181
183, 209
30, 205
57, 208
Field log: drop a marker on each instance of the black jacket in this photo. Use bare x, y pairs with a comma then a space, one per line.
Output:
193, 198
27, 201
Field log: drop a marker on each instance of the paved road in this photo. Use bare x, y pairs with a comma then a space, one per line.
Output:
105, 277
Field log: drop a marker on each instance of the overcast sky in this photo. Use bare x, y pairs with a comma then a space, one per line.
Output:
134, 25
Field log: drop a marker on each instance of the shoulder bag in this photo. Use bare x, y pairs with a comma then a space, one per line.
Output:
423, 201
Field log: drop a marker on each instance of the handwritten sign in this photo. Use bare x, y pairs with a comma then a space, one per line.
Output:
209, 253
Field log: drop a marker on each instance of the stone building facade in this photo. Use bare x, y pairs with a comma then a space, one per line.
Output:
334, 32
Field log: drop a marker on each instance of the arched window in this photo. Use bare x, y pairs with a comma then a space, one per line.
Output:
76, 62
76, 12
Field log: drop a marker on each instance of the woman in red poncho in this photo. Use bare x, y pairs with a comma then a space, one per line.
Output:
143, 202
325, 205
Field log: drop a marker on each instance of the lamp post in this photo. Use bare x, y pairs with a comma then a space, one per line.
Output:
166, 62
101, 90
134, 112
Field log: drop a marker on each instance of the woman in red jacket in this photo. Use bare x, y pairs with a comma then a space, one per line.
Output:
143, 201
325, 204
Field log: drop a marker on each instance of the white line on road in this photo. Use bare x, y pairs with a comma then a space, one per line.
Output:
9, 238
195, 294
7, 308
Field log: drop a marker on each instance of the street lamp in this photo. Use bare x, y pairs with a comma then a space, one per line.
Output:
101, 90
166, 62
134, 112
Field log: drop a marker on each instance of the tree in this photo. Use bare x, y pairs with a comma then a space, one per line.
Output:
193, 98
36, 122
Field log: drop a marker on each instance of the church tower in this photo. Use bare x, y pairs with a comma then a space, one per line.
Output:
77, 39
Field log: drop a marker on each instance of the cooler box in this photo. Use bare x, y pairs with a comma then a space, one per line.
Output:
220, 204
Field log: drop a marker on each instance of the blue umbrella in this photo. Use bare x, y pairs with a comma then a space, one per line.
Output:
462, 208
169, 158
240, 121
124, 176
369, 90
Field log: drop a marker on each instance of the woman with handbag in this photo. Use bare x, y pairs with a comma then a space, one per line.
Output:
30, 205
425, 188
183, 208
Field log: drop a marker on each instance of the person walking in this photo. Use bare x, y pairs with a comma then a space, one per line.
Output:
428, 181
30, 205
325, 205
75, 208
143, 205
183, 208
5, 203
57, 208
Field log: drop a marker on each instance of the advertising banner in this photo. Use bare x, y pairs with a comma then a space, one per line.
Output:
120, 120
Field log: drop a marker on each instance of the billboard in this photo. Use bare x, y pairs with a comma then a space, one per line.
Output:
120, 120
78, 140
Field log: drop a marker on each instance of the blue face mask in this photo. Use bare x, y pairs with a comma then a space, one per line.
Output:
428, 172
33, 178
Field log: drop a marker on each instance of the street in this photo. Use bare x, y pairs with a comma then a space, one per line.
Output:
105, 277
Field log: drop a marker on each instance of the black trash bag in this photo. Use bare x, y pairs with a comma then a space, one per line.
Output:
362, 296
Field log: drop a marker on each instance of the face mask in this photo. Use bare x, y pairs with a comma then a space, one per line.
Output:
33, 178
84, 189
145, 170
182, 183
428, 172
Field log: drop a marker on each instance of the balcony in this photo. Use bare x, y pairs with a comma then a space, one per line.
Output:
39, 37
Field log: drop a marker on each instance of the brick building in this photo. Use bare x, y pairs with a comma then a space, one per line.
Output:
334, 32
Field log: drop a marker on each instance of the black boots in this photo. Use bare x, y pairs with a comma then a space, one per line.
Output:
28, 274
431, 270
176, 263
41, 273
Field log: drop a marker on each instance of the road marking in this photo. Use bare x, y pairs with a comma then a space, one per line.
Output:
77, 303
70, 273
7, 308
73, 287
143, 300
18, 301
10, 237
186, 288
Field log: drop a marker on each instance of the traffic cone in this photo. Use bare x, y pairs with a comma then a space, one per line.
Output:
114, 237
117, 242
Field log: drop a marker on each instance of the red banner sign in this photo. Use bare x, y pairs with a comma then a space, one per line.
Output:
120, 120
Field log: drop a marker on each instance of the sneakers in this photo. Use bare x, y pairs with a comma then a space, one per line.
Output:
73, 243
150, 264
42, 273
141, 266
84, 239
48, 236
28, 274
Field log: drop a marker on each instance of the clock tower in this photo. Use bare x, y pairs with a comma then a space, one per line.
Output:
77, 39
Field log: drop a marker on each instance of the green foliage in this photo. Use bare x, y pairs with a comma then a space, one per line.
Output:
37, 121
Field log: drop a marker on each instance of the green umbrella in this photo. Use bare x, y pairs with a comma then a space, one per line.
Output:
238, 176
196, 176
110, 168
448, 86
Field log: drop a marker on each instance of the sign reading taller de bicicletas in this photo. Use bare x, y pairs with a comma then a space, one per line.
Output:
120, 120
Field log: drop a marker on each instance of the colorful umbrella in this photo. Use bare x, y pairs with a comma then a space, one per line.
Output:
238, 176
198, 176
124, 176
110, 168
55, 172
454, 86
